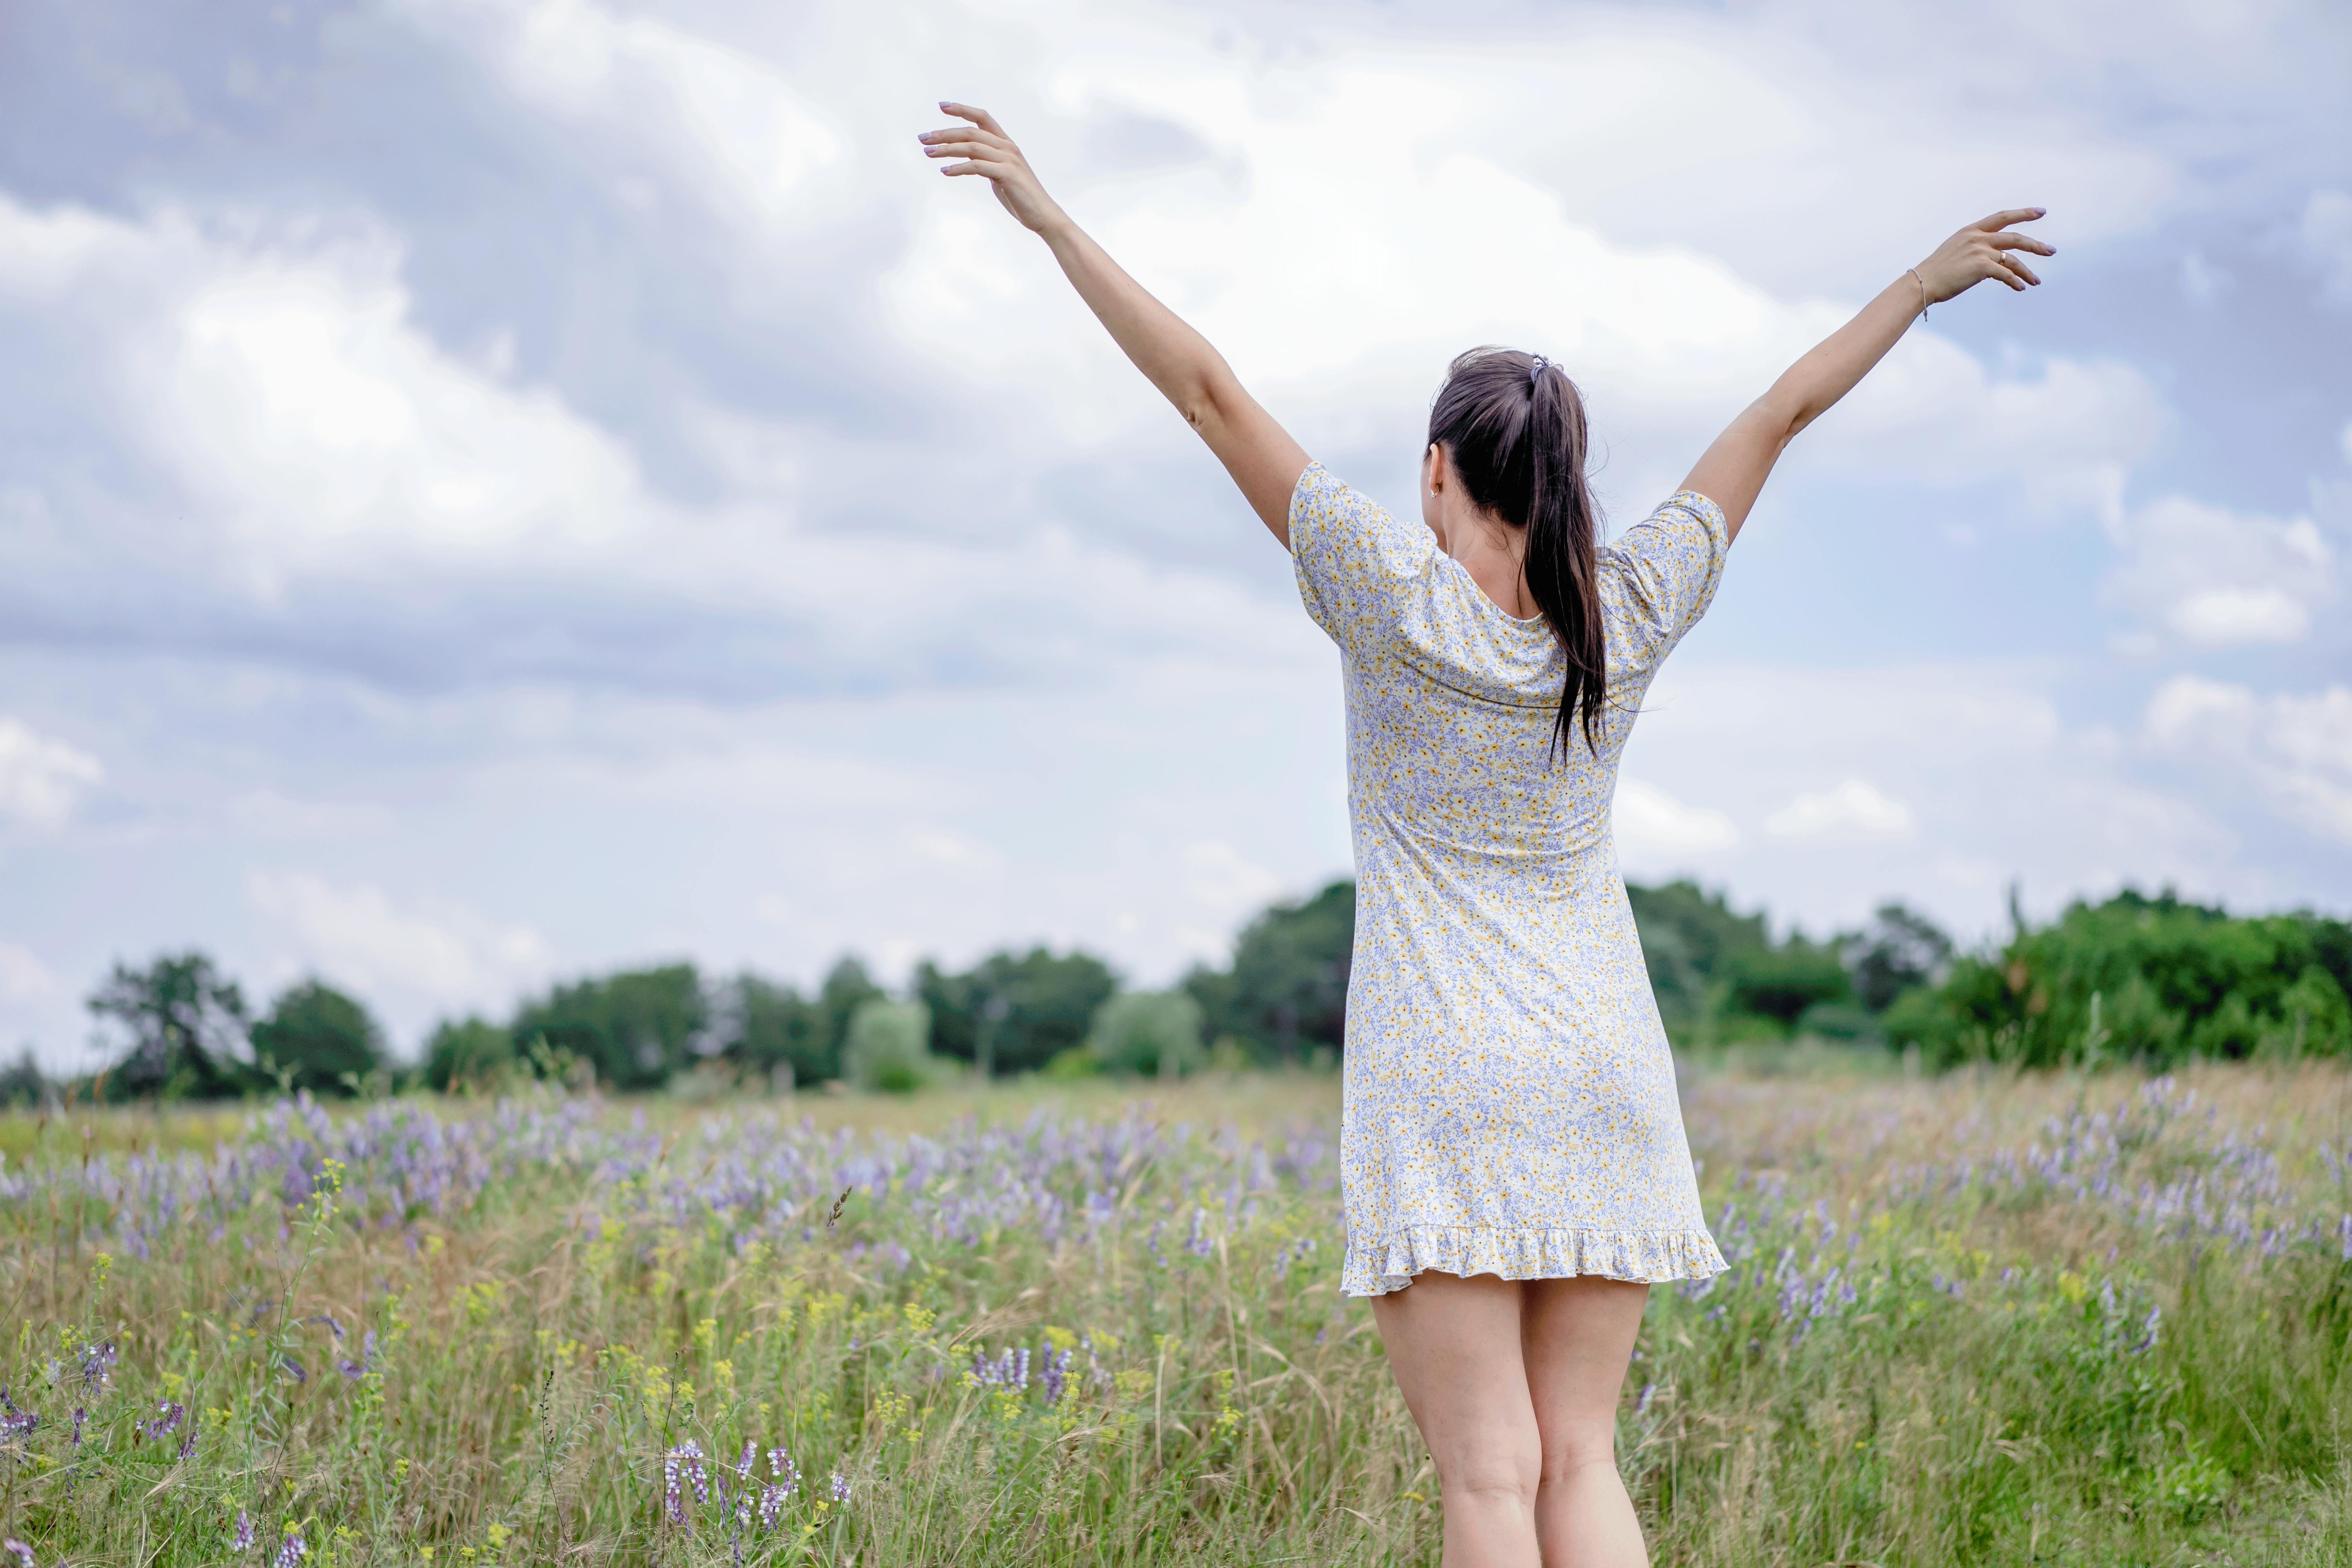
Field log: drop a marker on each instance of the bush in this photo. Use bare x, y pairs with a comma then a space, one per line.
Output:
1152, 1033
888, 1048
474, 1053
1781, 982
2151, 980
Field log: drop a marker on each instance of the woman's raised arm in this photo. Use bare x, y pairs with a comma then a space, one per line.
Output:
1733, 470
1258, 453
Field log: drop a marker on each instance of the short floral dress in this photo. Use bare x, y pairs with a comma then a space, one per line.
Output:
1509, 1097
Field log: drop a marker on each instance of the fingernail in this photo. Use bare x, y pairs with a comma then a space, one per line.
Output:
2041, 212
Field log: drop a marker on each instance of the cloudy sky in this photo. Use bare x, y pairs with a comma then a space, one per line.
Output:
494, 488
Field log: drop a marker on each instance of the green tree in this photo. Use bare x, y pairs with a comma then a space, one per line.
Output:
1287, 991
889, 1047
24, 1084
183, 1029
1781, 982
636, 1028
763, 1025
847, 987
1691, 941
321, 1039
1017, 1010
1898, 951
1154, 1033
468, 1051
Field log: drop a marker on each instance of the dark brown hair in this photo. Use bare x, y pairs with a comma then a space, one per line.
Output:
1515, 425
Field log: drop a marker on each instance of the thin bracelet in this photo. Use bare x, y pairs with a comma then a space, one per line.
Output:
1923, 291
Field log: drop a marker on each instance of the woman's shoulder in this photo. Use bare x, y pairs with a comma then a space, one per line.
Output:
1685, 524
1660, 575
1332, 518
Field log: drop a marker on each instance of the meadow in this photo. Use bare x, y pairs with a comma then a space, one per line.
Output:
1986, 1316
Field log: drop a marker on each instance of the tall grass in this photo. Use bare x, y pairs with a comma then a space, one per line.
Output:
1979, 1319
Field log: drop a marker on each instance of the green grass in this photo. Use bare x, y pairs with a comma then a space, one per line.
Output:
1934, 1347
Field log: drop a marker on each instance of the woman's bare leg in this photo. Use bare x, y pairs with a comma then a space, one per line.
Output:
1577, 1337
1455, 1346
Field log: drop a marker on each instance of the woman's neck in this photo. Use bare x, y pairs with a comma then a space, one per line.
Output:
1493, 554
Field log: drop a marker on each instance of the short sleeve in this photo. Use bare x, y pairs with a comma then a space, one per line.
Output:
1353, 561
1661, 576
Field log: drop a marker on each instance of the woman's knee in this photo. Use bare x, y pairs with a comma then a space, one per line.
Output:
1573, 1446
1502, 1471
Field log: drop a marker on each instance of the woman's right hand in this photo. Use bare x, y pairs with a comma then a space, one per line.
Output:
987, 151
1979, 251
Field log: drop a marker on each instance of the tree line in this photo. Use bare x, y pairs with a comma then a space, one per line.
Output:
2134, 977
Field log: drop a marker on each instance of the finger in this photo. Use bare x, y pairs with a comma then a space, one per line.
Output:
962, 133
962, 150
2014, 215
2022, 242
980, 116
2017, 265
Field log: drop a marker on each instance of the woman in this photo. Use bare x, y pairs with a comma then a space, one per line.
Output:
1515, 1171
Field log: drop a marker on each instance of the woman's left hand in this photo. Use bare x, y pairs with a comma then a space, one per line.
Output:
1983, 250
987, 151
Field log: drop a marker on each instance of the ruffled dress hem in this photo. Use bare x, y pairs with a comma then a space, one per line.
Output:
1387, 1262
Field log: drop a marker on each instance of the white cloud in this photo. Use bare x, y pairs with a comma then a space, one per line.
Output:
445, 954
355, 494
730, 128
41, 777
1652, 824
2216, 578
1221, 877
944, 847
2327, 235
2296, 749
1852, 812
23, 978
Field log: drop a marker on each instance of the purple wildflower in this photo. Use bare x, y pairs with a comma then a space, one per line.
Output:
2149, 1332
840, 1487
15, 1423
293, 1552
751, 1457
685, 1461
24, 1552
355, 1369
80, 1415
244, 1538
291, 1370
97, 1366
168, 1415
188, 1442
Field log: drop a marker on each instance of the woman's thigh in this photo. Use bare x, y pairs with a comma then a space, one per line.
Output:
1577, 1337
1455, 1346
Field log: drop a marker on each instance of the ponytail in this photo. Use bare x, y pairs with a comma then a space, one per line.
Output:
1514, 424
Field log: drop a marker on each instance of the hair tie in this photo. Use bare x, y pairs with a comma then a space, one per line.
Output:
1536, 370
